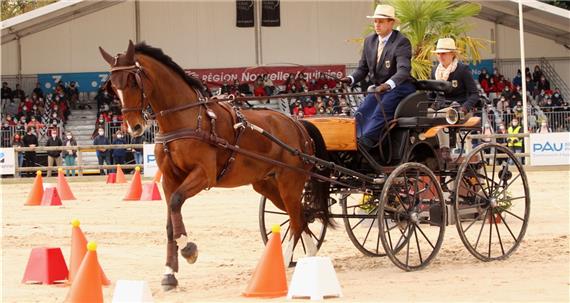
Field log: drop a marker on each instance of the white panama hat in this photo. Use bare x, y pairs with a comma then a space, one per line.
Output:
445, 45
384, 11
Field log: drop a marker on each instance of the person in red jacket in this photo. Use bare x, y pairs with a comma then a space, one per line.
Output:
259, 89
310, 109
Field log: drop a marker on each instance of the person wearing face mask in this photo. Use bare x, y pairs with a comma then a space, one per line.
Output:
69, 155
103, 155
556, 98
30, 140
544, 127
515, 144
54, 156
17, 142
5, 135
119, 154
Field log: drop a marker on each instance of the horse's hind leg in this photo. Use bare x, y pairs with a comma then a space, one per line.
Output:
270, 190
291, 187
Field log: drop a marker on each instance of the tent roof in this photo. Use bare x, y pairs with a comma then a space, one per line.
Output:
49, 16
541, 19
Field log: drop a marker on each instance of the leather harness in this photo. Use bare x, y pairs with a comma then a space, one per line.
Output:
240, 124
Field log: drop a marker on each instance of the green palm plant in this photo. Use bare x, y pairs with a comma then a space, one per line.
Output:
425, 21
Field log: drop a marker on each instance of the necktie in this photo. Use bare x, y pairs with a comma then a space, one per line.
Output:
380, 49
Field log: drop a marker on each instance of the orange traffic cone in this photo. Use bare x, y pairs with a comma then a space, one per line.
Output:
269, 279
157, 177
135, 191
63, 187
87, 285
35, 196
78, 251
120, 178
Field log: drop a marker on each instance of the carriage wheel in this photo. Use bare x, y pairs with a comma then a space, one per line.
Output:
492, 202
270, 215
359, 213
412, 216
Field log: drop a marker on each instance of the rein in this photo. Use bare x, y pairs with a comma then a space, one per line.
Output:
213, 139
233, 98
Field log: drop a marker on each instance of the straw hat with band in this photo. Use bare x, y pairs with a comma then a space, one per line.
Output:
445, 45
383, 11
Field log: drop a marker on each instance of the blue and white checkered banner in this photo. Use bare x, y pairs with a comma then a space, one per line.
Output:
7, 163
86, 82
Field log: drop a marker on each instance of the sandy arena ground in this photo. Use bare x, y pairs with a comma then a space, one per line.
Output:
224, 224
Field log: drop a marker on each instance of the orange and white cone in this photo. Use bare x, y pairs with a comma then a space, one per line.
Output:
269, 279
135, 191
78, 251
35, 196
87, 285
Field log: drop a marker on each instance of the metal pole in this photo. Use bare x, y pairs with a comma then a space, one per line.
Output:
523, 75
19, 46
137, 21
257, 30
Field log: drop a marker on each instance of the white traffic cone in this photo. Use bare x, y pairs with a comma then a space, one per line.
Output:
314, 277
132, 291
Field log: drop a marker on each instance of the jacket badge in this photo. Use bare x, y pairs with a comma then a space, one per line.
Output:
387, 63
454, 83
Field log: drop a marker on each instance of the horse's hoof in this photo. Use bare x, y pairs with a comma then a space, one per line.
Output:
169, 282
190, 252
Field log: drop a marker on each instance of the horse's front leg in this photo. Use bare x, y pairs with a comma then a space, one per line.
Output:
169, 281
194, 183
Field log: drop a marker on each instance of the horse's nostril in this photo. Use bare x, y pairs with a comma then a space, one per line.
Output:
137, 127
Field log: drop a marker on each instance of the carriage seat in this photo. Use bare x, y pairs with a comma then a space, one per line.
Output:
433, 85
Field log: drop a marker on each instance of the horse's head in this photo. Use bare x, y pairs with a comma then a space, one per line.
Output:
126, 80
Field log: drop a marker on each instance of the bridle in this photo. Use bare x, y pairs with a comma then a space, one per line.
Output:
138, 72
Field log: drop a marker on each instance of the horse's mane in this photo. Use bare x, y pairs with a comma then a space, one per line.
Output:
160, 56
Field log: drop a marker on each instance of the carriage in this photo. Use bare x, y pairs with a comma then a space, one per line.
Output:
397, 199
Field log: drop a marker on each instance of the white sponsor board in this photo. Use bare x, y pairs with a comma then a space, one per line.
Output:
7, 163
550, 149
150, 165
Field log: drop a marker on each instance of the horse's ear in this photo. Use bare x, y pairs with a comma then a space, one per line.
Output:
130, 54
106, 56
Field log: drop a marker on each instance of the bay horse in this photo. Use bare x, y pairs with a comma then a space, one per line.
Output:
191, 146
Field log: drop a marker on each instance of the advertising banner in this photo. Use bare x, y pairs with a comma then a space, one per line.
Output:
244, 13
550, 149
277, 74
86, 82
270, 13
7, 163
150, 165
476, 68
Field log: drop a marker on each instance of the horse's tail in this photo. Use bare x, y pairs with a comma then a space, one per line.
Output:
319, 189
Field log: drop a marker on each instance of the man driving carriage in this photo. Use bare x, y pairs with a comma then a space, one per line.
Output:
386, 57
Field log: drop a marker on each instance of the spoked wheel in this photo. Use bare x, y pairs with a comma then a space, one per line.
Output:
270, 215
359, 213
412, 216
492, 202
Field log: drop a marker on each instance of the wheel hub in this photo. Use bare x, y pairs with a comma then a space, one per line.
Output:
493, 202
414, 217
